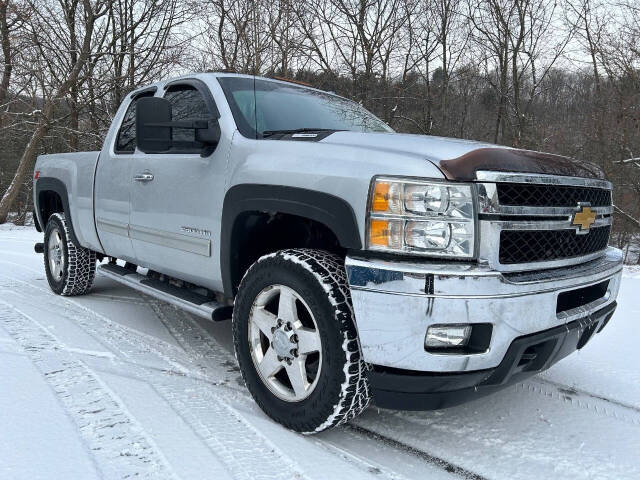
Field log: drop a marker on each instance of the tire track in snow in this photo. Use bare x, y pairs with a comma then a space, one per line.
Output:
193, 338
445, 465
570, 390
141, 343
245, 452
114, 334
118, 444
360, 462
201, 344
167, 314
599, 405
198, 344
240, 447
207, 346
118, 298
24, 267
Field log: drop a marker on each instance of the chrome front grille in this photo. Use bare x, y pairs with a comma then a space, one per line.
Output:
525, 246
527, 221
531, 195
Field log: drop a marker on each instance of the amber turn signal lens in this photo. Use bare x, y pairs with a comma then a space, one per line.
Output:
380, 197
379, 232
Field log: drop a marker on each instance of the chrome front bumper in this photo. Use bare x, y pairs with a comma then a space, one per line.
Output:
393, 309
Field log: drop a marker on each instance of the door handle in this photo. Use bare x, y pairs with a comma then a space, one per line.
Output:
143, 177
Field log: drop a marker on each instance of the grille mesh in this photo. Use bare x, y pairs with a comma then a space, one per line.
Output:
524, 246
536, 195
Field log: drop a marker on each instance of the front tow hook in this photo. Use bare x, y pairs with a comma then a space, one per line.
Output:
39, 247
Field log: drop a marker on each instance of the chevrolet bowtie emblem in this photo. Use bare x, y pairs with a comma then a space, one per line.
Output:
584, 218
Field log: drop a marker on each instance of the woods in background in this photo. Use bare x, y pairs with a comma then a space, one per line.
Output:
556, 76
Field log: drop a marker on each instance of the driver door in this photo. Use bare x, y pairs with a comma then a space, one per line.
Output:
175, 199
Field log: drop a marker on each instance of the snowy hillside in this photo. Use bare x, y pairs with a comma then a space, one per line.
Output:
118, 385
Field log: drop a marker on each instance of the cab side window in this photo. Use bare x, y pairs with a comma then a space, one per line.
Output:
187, 104
126, 139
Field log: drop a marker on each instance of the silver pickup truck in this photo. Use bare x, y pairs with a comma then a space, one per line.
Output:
356, 263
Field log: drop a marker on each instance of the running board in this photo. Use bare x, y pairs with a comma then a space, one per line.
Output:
182, 298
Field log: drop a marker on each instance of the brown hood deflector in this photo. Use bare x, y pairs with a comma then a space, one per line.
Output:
464, 168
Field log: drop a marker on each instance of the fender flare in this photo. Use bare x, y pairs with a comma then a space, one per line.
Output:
333, 212
50, 184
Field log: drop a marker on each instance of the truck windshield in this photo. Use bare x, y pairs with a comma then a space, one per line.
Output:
283, 108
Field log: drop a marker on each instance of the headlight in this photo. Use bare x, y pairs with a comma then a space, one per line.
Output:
427, 218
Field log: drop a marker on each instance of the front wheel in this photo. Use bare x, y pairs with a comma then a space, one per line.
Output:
296, 342
70, 268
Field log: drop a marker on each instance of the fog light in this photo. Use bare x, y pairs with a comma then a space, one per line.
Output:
447, 336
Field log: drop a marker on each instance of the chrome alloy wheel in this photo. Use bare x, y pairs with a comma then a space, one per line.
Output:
56, 254
285, 343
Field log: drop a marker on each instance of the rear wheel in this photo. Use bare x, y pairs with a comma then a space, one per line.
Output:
296, 341
70, 268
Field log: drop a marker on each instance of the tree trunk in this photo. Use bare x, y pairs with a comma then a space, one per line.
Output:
6, 53
444, 26
26, 164
73, 104
502, 95
28, 157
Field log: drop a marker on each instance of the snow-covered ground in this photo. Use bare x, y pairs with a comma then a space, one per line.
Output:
118, 385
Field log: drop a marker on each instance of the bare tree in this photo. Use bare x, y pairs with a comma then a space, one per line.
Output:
11, 17
587, 19
47, 26
555, 76
358, 35
515, 40
144, 44
231, 39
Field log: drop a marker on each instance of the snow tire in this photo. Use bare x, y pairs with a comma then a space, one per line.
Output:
320, 279
79, 263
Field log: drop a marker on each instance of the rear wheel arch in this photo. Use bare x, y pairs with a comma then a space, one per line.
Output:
331, 215
52, 197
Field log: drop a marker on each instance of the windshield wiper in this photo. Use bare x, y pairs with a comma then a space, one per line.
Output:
269, 133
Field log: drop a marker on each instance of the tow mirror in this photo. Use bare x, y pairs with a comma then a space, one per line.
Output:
154, 127
210, 136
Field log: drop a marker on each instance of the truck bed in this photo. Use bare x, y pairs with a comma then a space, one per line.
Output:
75, 171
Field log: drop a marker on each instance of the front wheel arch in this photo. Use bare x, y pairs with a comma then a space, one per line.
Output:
331, 211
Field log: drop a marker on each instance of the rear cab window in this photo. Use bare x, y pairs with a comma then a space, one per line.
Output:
187, 104
126, 138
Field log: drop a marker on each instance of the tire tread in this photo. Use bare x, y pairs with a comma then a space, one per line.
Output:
80, 264
328, 270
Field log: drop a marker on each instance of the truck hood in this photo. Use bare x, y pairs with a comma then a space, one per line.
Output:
460, 159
